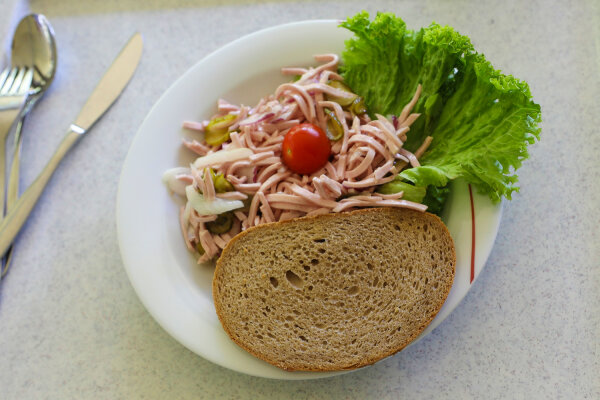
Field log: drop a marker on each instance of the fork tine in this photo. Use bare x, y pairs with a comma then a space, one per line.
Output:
9, 81
3, 76
26, 82
18, 80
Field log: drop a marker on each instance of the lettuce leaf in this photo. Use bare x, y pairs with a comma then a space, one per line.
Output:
432, 196
435, 198
411, 192
481, 120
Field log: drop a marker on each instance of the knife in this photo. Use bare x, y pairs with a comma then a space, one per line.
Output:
104, 95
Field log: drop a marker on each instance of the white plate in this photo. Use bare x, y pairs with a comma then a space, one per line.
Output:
175, 290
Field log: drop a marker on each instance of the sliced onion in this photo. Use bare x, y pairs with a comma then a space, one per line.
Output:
285, 115
186, 212
222, 156
254, 174
216, 206
169, 178
256, 118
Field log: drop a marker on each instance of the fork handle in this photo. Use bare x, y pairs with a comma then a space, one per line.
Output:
12, 187
16, 216
7, 118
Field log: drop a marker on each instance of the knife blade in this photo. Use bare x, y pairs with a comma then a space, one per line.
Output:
112, 83
104, 95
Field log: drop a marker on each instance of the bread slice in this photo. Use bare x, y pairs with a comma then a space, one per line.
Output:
334, 292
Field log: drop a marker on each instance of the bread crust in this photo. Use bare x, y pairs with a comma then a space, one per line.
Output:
369, 357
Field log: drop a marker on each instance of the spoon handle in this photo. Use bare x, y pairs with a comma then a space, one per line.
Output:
16, 217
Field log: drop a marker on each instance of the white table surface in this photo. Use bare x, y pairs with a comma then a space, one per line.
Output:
71, 325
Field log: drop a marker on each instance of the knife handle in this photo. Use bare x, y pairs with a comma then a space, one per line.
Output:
16, 217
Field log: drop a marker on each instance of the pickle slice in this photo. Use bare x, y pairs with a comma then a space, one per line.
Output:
333, 128
358, 106
342, 101
222, 224
221, 184
217, 130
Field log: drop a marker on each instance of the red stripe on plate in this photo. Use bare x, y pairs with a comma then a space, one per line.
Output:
472, 235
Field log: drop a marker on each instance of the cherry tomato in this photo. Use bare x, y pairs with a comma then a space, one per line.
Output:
305, 149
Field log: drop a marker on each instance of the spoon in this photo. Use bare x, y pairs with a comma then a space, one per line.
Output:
33, 45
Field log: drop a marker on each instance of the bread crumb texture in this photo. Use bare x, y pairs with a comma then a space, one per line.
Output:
334, 292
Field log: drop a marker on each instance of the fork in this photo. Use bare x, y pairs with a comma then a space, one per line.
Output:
14, 88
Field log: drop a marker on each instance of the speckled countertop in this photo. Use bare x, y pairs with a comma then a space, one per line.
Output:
71, 326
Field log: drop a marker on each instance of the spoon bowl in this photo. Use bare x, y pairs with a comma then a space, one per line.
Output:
33, 45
